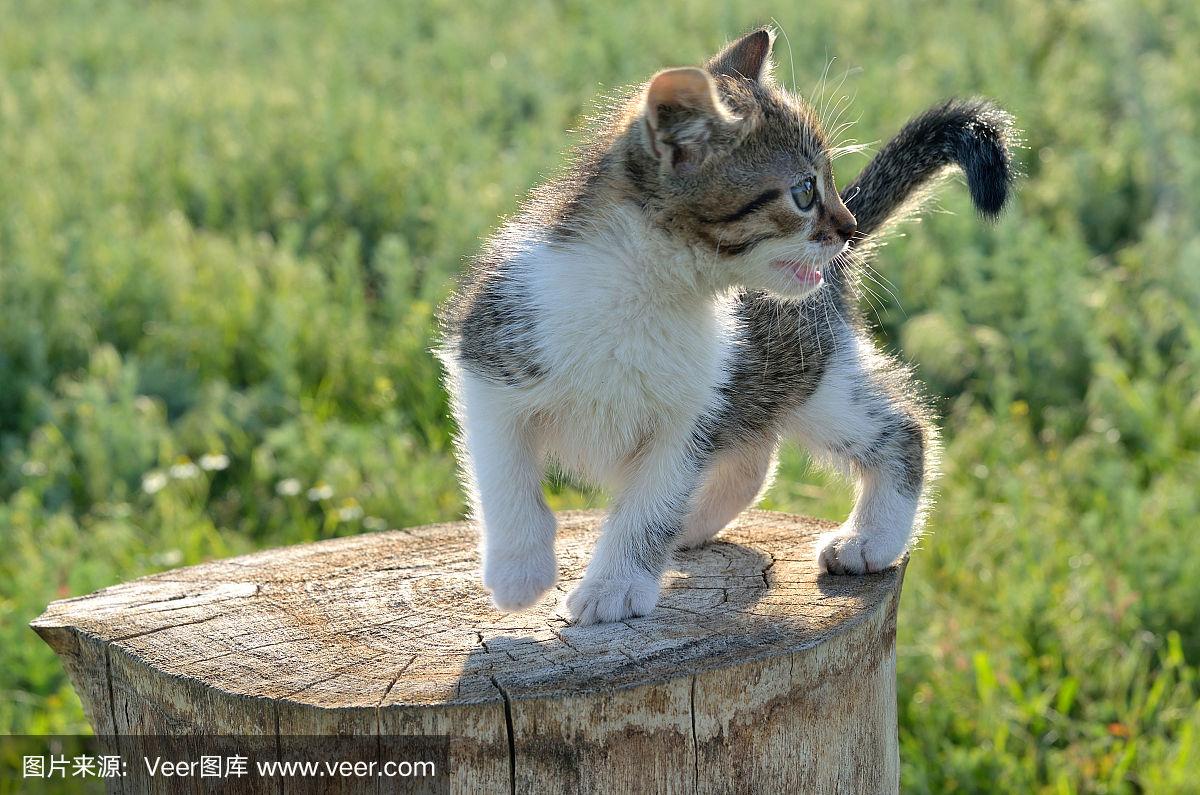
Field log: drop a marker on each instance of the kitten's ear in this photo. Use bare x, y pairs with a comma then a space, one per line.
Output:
748, 57
683, 114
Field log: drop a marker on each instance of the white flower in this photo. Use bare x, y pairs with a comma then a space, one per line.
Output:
374, 523
321, 491
168, 557
350, 511
214, 461
33, 469
287, 488
185, 471
153, 482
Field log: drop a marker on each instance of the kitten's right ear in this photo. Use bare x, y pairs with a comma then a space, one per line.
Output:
683, 115
748, 57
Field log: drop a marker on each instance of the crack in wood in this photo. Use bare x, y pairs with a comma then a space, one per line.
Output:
512, 744
331, 677
205, 619
767, 568
333, 633
387, 690
695, 737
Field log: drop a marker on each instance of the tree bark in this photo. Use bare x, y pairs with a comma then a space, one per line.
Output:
753, 675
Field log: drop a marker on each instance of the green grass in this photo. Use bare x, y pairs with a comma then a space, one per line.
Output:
224, 231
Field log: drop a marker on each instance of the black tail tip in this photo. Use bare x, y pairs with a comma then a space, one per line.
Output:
990, 190
985, 153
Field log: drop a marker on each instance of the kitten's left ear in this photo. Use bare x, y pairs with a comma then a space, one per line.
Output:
748, 57
685, 121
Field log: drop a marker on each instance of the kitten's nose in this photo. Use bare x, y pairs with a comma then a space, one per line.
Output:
847, 227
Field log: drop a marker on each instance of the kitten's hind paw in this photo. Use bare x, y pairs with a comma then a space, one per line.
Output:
518, 582
598, 601
847, 552
696, 536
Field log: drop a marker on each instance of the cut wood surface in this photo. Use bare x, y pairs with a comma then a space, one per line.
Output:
754, 673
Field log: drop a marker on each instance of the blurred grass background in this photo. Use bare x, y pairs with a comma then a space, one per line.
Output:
225, 226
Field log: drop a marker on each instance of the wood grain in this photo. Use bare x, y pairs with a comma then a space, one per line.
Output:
754, 672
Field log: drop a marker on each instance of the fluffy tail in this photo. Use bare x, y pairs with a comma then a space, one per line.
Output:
974, 135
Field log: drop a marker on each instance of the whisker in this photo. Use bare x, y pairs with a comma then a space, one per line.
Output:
855, 266
841, 128
885, 280
840, 109
833, 92
819, 89
871, 274
836, 89
791, 55
849, 148
873, 301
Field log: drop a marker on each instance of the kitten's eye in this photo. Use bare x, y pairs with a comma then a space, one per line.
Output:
804, 194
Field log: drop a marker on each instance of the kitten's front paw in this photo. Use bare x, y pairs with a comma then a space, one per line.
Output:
847, 552
517, 582
600, 600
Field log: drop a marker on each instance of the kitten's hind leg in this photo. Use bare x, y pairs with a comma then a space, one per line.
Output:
864, 419
736, 480
503, 474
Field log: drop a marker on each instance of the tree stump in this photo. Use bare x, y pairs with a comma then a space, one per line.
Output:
754, 674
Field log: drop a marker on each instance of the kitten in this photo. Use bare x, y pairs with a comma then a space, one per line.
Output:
603, 329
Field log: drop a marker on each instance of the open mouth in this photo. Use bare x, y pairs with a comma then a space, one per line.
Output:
805, 273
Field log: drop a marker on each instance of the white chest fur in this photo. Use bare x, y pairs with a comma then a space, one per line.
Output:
634, 345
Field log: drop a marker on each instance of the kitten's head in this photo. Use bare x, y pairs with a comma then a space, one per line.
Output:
740, 169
